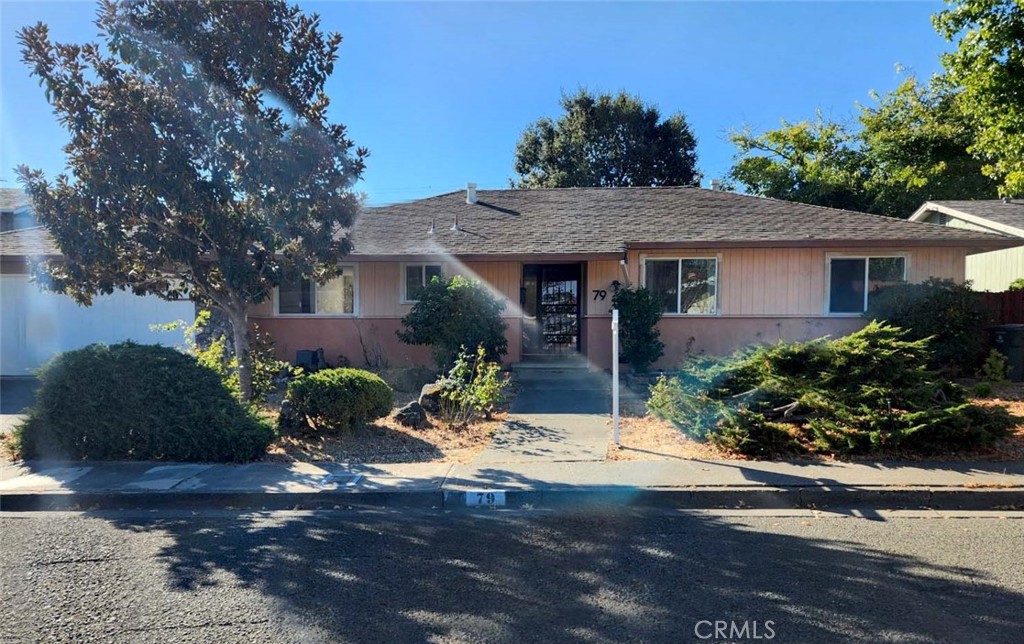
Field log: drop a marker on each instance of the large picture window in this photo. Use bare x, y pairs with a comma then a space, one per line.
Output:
852, 280
304, 297
416, 277
687, 286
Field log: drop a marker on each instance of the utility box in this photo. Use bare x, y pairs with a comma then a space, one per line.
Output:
1008, 339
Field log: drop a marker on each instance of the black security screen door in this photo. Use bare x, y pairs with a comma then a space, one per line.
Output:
551, 309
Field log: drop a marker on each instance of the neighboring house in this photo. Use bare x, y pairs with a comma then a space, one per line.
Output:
994, 270
15, 210
35, 323
732, 269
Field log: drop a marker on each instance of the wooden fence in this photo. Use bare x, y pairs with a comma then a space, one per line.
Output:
1007, 307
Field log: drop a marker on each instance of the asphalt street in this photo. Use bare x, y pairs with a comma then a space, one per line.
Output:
512, 576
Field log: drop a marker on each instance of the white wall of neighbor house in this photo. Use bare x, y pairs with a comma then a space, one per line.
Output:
992, 271
995, 270
36, 324
781, 281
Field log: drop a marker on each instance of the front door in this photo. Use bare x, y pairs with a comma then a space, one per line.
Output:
550, 297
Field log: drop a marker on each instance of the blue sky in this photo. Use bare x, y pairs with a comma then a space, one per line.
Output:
440, 92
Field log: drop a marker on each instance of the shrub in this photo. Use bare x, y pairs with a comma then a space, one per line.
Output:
217, 353
868, 392
996, 367
982, 389
951, 314
340, 398
1017, 284
454, 313
473, 388
639, 312
137, 402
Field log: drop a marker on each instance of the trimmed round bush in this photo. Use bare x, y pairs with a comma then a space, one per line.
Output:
137, 402
340, 398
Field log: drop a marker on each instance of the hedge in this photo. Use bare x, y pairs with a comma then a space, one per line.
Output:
137, 402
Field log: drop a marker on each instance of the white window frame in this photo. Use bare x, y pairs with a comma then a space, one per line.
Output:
316, 287
404, 296
867, 257
679, 291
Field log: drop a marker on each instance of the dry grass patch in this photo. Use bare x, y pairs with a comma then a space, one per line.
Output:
643, 437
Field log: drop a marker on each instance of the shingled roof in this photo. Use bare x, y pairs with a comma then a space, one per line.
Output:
27, 242
1005, 214
13, 199
605, 220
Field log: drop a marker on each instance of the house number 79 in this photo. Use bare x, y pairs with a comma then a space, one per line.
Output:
600, 294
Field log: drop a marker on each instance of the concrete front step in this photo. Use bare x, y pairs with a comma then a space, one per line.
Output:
576, 363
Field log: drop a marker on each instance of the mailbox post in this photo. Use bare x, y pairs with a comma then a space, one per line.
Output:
615, 376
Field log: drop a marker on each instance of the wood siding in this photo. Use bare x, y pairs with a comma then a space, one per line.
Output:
791, 281
763, 294
996, 270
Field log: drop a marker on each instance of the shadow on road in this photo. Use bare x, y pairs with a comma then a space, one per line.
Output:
586, 576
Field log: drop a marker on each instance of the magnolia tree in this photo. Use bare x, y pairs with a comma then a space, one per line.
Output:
201, 163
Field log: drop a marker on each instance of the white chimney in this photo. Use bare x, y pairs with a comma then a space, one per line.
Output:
470, 193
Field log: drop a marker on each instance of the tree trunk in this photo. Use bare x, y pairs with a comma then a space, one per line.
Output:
240, 333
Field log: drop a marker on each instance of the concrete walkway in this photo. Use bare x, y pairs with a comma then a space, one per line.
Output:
559, 414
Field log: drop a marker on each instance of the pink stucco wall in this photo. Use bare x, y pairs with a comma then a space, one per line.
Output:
717, 335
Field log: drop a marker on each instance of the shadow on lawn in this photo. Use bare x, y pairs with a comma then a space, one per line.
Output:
609, 576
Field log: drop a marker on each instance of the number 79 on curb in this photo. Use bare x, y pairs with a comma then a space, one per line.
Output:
488, 498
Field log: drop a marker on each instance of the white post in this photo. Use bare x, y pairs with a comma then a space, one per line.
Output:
615, 376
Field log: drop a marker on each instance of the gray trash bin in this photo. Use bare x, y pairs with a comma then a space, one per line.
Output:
1008, 339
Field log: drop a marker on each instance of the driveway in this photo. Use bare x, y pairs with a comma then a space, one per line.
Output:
16, 395
559, 414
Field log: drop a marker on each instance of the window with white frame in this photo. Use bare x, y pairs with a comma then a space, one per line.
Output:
305, 297
852, 280
687, 286
418, 276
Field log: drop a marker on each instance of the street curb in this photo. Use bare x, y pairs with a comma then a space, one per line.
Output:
776, 498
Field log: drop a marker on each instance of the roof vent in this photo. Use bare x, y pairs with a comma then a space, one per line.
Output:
433, 227
1006, 200
470, 193
716, 184
456, 226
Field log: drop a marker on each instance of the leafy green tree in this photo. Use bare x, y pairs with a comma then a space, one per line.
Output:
916, 142
988, 64
912, 145
607, 140
201, 160
817, 162
453, 315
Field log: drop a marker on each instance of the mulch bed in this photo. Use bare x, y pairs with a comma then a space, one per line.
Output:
386, 441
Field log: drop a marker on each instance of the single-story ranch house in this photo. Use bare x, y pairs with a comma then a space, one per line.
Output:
732, 269
993, 271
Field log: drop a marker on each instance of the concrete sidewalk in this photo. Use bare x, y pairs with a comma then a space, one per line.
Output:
683, 484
